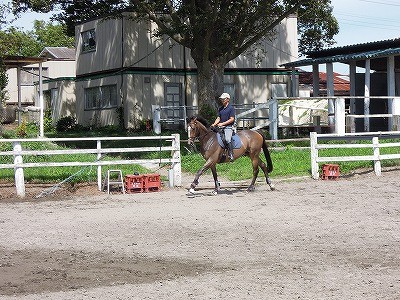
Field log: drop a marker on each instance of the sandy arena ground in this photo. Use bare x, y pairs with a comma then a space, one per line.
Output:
306, 240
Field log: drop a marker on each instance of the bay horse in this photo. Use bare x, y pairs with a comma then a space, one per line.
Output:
251, 144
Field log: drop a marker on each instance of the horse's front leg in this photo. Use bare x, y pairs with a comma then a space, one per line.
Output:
198, 174
215, 176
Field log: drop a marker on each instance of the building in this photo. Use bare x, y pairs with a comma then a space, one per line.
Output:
57, 65
122, 70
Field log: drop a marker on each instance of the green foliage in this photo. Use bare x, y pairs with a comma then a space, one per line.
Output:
66, 124
3, 84
208, 112
14, 41
47, 121
26, 130
54, 35
316, 25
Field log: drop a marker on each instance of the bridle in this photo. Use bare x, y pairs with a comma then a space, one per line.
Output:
194, 129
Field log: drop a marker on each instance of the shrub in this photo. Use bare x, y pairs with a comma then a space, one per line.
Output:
66, 124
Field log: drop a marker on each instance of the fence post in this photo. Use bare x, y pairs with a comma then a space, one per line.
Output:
99, 185
176, 155
317, 123
156, 109
377, 162
340, 117
314, 155
273, 118
395, 122
351, 124
18, 171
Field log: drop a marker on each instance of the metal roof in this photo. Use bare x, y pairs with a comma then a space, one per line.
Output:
376, 51
60, 53
20, 61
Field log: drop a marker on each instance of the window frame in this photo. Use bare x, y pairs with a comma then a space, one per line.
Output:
105, 97
87, 35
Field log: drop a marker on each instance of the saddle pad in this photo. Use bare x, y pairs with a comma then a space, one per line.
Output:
237, 143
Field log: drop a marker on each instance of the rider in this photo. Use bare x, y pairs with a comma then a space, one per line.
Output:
226, 118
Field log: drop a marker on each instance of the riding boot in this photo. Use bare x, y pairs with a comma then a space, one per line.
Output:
230, 151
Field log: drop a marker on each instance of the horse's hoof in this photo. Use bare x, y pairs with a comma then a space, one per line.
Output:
214, 192
272, 187
250, 189
191, 190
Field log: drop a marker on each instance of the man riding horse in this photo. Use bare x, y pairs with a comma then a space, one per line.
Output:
226, 119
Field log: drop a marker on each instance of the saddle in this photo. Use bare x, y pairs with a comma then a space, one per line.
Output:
236, 142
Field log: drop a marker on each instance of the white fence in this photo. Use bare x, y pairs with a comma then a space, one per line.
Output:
18, 153
272, 114
375, 146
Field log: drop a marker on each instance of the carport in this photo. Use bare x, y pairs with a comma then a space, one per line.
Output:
378, 57
18, 62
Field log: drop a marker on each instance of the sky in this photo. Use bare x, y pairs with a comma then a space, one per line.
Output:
360, 21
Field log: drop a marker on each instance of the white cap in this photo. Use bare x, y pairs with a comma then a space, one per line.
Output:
224, 95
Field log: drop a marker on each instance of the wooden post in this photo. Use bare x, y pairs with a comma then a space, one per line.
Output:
317, 123
156, 109
340, 118
99, 185
396, 123
377, 162
18, 171
176, 155
314, 155
273, 118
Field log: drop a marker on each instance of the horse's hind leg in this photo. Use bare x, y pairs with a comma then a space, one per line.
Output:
215, 176
263, 167
255, 174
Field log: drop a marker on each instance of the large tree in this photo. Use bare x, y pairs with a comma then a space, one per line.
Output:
215, 31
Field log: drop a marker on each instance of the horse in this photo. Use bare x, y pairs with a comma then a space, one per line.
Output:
251, 144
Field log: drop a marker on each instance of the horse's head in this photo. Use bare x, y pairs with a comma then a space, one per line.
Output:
193, 131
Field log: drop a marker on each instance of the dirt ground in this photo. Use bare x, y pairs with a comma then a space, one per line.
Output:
325, 239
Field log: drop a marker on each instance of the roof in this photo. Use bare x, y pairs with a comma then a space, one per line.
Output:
20, 61
340, 82
60, 53
377, 52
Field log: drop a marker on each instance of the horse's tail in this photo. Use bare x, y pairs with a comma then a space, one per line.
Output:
266, 152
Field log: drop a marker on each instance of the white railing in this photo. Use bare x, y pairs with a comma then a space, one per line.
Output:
375, 146
18, 154
270, 113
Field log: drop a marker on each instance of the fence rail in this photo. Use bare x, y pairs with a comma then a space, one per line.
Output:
18, 154
375, 145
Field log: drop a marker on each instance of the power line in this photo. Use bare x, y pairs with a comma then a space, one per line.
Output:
383, 3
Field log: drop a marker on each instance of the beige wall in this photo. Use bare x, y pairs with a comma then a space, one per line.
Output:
96, 117
56, 68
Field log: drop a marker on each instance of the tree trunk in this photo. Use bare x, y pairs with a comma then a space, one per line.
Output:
210, 85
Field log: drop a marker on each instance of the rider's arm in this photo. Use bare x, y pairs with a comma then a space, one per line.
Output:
230, 121
216, 121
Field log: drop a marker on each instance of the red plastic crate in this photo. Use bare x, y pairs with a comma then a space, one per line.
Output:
330, 171
152, 182
134, 184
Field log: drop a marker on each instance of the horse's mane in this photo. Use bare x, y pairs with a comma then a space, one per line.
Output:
201, 120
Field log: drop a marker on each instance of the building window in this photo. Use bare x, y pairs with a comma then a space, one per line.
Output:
30, 75
88, 40
101, 97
